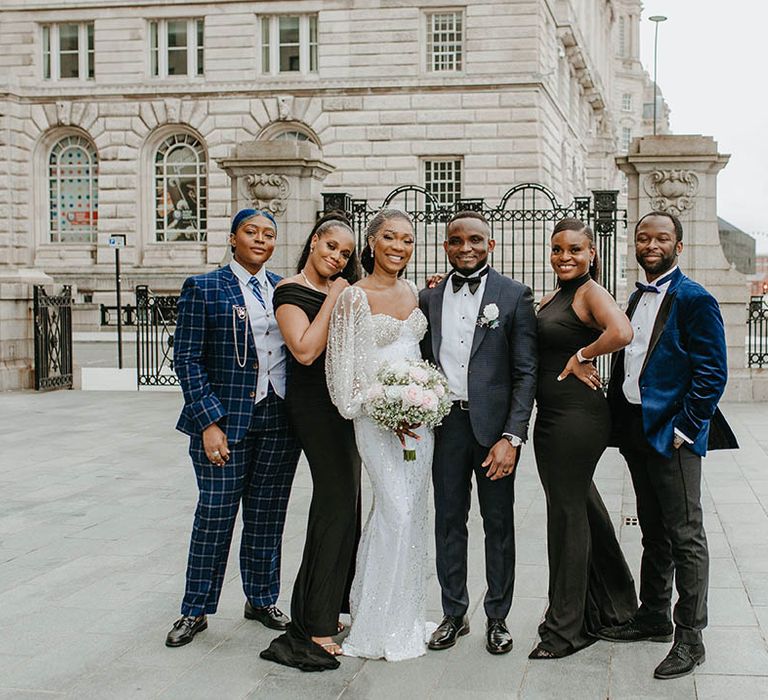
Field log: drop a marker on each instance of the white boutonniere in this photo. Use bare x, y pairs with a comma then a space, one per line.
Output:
490, 317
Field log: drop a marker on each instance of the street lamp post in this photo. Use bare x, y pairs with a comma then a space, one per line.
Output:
656, 19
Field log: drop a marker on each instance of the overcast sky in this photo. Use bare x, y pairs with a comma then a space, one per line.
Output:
713, 70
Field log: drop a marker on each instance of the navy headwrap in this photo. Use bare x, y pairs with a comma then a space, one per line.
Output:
245, 214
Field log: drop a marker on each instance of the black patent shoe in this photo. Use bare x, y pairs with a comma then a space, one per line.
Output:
634, 631
270, 616
448, 631
185, 629
682, 659
498, 640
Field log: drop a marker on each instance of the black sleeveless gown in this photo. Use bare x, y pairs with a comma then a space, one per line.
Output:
590, 585
321, 589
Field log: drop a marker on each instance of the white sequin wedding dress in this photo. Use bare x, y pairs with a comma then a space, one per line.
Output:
388, 596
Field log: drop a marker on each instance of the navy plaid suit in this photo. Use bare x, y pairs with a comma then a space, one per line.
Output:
264, 451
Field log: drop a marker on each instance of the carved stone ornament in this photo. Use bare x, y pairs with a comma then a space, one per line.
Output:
267, 191
284, 107
672, 190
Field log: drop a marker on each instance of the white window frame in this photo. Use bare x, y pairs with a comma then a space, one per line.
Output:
626, 102
458, 164
622, 38
193, 48
429, 45
272, 22
161, 177
54, 182
52, 58
626, 138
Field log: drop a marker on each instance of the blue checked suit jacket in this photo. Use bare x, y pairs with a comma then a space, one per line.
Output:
216, 389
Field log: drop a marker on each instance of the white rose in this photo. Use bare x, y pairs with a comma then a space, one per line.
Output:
376, 391
491, 312
419, 375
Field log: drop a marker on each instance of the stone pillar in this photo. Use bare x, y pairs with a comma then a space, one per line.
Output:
17, 330
283, 177
678, 174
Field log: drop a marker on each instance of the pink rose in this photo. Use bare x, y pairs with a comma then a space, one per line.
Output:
375, 391
429, 400
412, 395
439, 391
419, 375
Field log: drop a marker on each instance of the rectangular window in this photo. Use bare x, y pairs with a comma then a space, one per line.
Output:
444, 41
68, 51
288, 44
176, 47
626, 102
622, 47
626, 137
442, 179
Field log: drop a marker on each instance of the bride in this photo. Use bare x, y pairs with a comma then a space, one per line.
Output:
376, 321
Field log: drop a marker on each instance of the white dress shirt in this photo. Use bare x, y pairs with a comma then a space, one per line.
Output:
643, 320
460, 312
270, 347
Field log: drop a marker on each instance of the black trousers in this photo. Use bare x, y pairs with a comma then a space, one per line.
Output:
668, 493
457, 456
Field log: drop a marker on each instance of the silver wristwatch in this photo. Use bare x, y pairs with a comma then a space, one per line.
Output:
513, 440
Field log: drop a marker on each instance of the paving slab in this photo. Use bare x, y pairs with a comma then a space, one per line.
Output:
96, 506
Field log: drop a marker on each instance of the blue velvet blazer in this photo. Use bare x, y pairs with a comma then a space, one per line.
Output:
685, 371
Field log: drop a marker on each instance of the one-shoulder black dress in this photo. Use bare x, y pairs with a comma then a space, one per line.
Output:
321, 589
590, 584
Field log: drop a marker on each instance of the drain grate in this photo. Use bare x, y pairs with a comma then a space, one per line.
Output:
631, 520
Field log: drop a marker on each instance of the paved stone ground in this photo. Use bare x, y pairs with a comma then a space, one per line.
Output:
96, 501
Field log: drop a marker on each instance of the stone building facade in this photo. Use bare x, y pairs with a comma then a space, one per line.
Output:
130, 118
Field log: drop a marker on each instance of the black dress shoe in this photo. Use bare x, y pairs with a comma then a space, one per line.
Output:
185, 629
498, 640
448, 631
634, 631
682, 659
269, 616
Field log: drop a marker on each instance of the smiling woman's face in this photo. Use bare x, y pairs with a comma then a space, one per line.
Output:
254, 242
571, 254
393, 245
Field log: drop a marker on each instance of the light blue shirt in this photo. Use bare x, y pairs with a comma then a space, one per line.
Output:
270, 347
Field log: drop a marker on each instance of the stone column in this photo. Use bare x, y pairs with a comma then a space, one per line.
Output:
678, 174
17, 330
283, 177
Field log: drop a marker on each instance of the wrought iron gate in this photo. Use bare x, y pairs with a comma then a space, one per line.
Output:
155, 325
53, 339
757, 332
521, 224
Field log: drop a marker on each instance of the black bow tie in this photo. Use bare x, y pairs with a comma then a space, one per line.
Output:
458, 281
647, 288
654, 288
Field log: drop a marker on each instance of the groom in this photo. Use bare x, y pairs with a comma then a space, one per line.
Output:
482, 335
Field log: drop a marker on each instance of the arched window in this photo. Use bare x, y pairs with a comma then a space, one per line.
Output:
289, 130
181, 189
73, 193
291, 136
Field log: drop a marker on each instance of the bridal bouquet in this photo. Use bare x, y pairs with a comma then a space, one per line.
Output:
408, 393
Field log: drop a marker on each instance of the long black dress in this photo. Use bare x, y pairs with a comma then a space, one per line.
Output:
590, 585
321, 589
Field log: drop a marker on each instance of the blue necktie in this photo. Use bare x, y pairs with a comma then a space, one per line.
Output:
654, 288
255, 287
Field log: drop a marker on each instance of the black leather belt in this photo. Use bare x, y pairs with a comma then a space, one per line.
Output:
462, 404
